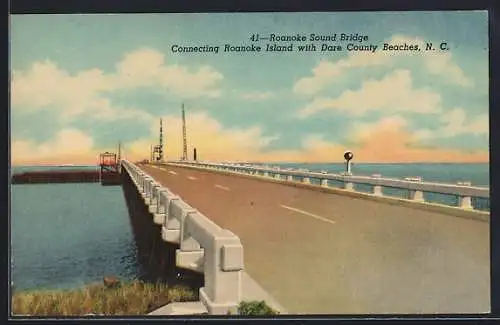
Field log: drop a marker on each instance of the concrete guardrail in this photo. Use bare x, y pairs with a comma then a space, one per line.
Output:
204, 246
414, 185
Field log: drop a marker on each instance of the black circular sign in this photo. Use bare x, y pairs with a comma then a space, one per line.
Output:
348, 155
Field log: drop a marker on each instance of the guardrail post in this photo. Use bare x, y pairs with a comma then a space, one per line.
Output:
465, 202
377, 189
190, 255
324, 182
289, 178
145, 193
349, 186
171, 229
153, 203
415, 195
149, 194
223, 274
306, 180
159, 214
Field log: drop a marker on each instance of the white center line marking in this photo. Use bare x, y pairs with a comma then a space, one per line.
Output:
222, 187
308, 214
172, 172
192, 178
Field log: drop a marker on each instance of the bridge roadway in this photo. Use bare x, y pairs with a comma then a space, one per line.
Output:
322, 253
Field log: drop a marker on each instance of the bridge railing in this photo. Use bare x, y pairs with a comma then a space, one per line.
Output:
414, 186
203, 245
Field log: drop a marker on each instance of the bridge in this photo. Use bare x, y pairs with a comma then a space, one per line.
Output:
273, 234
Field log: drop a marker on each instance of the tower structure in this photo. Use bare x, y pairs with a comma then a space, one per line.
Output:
184, 140
119, 158
160, 147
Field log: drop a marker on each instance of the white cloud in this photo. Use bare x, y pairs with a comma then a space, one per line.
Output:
257, 95
46, 85
393, 93
364, 130
434, 62
455, 122
212, 139
68, 144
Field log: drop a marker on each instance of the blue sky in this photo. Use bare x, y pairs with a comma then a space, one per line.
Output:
80, 83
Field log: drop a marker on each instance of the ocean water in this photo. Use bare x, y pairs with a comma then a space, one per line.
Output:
68, 235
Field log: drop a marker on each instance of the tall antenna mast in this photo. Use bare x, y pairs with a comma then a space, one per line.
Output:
184, 141
119, 155
160, 148
119, 151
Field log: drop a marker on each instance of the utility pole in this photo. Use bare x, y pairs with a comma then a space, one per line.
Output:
184, 141
160, 149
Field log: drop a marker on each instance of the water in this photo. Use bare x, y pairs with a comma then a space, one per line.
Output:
477, 174
68, 235
20, 169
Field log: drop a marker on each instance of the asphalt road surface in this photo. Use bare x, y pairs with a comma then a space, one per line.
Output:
323, 253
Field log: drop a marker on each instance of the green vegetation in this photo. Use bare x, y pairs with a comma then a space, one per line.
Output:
255, 308
134, 298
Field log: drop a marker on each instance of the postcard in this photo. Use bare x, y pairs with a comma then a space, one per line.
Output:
332, 163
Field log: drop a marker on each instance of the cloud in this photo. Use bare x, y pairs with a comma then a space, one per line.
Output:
211, 139
68, 146
393, 93
434, 62
455, 123
257, 95
386, 140
363, 131
47, 86
147, 68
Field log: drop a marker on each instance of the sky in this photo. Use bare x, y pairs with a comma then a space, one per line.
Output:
81, 83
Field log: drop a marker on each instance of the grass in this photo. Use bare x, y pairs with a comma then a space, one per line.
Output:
255, 308
134, 298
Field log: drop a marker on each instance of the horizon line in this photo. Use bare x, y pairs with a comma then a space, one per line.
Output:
268, 162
